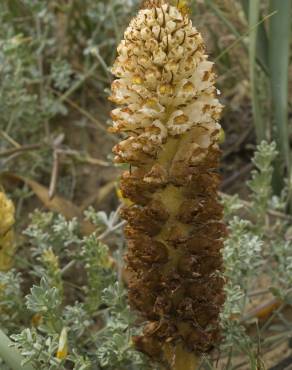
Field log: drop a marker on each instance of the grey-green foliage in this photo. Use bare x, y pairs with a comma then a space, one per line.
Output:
11, 300
242, 255
26, 101
253, 244
61, 74
46, 301
242, 251
242, 260
94, 308
46, 53
97, 265
282, 273
43, 298
48, 230
232, 204
260, 183
115, 345
37, 349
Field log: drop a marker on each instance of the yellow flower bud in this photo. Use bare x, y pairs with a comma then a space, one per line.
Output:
221, 137
182, 5
50, 258
137, 80
6, 213
165, 89
7, 245
63, 345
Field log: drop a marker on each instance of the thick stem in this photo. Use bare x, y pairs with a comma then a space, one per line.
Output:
180, 359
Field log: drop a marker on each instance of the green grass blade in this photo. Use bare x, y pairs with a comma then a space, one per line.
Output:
262, 52
280, 32
262, 39
245, 6
220, 15
237, 41
254, 12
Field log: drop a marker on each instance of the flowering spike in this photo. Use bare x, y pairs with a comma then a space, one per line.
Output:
168, 111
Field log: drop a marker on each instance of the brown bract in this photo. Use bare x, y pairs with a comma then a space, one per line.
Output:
168, 112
